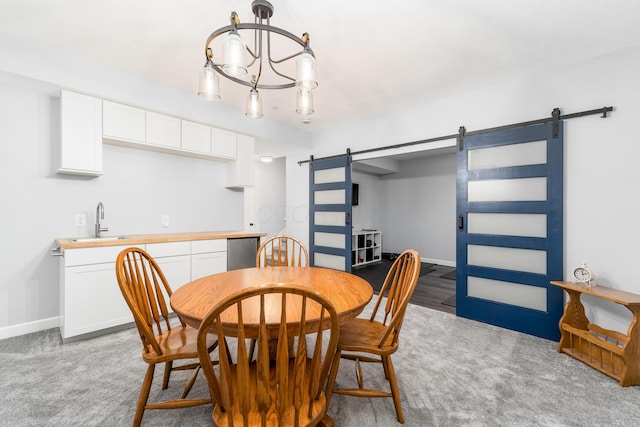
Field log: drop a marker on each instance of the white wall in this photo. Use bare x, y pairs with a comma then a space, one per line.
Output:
421, 209
38, 205
413, 208
270, 191
24, 60
600, 163
601, 156
372, 205
136, 189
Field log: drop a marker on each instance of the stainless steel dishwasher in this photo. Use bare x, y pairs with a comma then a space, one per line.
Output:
241, 252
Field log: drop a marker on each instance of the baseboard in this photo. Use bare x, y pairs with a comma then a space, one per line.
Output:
28, 327
439, 262
392, 256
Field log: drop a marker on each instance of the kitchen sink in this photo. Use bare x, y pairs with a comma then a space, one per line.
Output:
98, 239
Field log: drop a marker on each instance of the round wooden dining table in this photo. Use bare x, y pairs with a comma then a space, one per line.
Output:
348, 293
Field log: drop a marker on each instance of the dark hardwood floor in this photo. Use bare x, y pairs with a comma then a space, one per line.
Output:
431, 289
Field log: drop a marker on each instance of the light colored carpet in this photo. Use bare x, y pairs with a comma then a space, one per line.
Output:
451, 371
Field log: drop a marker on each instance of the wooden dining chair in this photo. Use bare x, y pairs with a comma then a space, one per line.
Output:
376, 339
144, 288
282, 250
284, 386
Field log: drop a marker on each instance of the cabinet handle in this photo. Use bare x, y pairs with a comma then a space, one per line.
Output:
460, 222
57, 252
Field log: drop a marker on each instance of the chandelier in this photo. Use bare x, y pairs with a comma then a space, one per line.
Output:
245, 63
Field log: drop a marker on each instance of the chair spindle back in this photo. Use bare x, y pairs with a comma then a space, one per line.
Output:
282, 251
287, 377
144, 288
399, 285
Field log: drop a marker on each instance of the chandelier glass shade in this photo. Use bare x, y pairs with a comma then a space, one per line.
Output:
304, 102
249, 63
235, 55
209, 83
254, 105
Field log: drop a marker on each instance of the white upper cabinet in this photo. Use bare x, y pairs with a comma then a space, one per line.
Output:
223, 143
196, 137
123, 122
240, 171
162, 130
131, 126
80, 134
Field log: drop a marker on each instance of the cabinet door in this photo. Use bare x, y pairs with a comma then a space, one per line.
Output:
196, 137
205, 246
223, 143
122, 122
80, 134
240, 171
177, 270
208, 263
168, 249
92, 300
174, 258
162, 130
88, 256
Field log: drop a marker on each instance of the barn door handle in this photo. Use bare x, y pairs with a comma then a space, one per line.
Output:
460, 222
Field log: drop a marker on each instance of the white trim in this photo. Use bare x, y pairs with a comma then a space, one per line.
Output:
439, 262
28, 327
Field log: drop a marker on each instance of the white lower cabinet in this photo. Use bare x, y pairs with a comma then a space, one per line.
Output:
90, 298
174, 258
208, 257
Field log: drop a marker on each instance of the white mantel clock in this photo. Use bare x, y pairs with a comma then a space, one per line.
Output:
583, 274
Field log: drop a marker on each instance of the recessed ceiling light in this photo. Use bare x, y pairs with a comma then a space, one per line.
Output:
265, 159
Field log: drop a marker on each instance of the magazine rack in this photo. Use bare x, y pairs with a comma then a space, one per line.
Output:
610, 352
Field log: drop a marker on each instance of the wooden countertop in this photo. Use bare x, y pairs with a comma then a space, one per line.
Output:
135, 239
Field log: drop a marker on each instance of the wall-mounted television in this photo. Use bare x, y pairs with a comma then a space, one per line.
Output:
355, 193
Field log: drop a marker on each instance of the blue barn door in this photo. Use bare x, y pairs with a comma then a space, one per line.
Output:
330, 196
509, 242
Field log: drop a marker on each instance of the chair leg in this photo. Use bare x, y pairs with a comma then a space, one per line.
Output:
189, 384
359, 376
335, 364
394, 386
167, 372
144, 394
385, 367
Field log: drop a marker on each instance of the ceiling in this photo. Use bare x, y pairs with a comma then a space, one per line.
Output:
373, 56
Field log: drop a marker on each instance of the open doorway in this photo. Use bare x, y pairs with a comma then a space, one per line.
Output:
411, 200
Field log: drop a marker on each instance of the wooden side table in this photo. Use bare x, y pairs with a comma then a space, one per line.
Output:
611, 352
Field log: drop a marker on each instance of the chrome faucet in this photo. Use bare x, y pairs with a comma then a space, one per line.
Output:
99, 216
